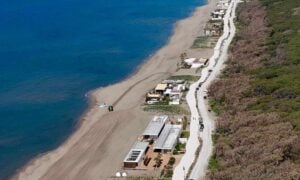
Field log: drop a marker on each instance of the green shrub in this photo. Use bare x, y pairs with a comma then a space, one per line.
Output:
185, 134
213, 164
174, 109
171, 161
185, 78
216, 106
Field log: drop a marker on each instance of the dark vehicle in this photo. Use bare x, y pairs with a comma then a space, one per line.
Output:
200, 120
201, 127
110, 108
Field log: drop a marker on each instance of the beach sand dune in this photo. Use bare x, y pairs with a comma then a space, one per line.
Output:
99, 145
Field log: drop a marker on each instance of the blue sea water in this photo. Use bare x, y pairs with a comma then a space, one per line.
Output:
52, 52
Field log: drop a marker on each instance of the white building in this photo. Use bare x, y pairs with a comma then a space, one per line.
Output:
155, 127
196, 63
199, 63
160, 88
135, 155
189, 61
218, 13
168, 138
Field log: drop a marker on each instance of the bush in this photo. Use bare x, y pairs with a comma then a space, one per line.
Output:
146, 161
258, 97
168, 174
184, 123
171, 161
216, 106
185, 78
175, 152
151, 142
174, 109
179, 146
185, 134
213, 164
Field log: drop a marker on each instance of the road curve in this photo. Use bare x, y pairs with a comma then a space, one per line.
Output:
198, 106
199, 170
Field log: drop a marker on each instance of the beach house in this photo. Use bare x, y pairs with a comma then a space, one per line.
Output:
153, 97
196, 63
155, 127
160, 88
168, 138
135, 155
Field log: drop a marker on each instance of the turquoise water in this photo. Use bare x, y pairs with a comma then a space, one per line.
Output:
52, 52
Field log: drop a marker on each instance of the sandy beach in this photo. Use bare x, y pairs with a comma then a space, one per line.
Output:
98, 146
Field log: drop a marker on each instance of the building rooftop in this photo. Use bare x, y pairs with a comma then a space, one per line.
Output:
200, 62
168, 137
171, 81
153, 95
161, 87
219, 12
155, 125
189, 61
136, 152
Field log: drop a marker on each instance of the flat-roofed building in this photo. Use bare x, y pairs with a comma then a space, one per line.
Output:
155, 127
168, 138
135, 155
153, 97
199, 63
160, 88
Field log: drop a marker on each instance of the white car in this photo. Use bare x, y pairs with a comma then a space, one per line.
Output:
103, 105
152, 102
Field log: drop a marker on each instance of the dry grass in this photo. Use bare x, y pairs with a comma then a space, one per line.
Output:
250, 143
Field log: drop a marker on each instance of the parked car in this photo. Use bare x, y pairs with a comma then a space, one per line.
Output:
201, 127
152, 102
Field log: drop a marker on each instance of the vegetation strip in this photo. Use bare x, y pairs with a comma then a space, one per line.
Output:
257, 97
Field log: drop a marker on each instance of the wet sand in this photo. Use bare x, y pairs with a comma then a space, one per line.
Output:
97, 148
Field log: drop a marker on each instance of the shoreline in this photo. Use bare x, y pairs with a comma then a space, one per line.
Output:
96, 123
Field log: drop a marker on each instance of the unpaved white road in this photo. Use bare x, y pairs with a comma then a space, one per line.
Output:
198, 106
